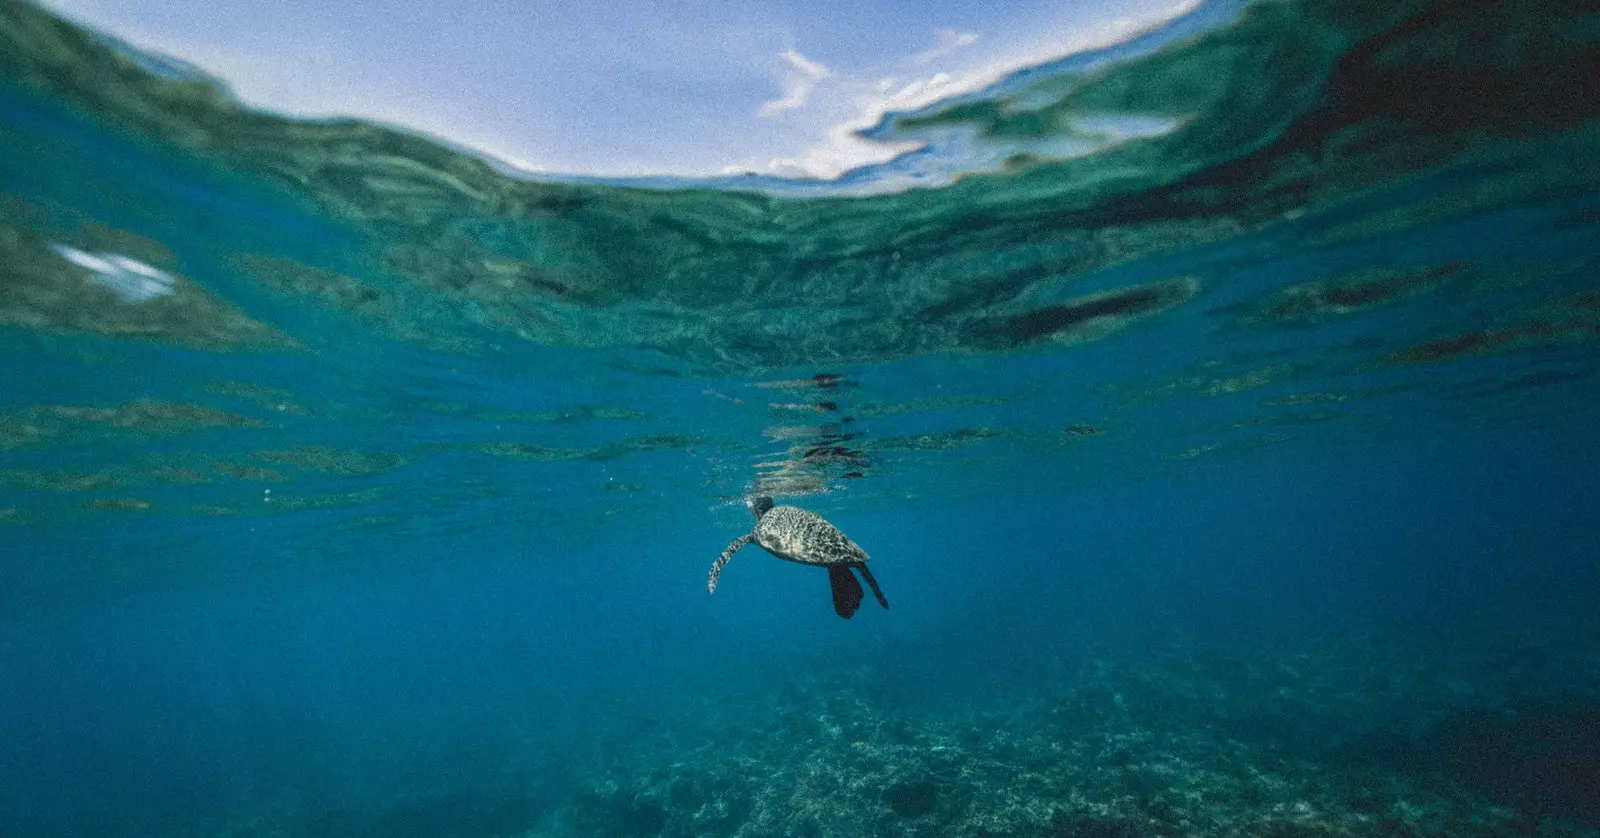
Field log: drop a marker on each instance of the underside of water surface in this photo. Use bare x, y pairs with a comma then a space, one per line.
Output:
1217, 409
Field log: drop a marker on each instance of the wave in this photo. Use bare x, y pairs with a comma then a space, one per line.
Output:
1230, 120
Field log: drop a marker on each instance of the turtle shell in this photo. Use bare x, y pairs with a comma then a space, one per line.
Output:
792, 533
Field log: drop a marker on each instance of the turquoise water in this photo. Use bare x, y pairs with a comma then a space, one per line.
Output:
1217, 410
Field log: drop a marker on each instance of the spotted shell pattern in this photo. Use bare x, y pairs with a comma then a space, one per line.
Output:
797, 535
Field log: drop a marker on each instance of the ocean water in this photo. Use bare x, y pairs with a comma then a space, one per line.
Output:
1219, 412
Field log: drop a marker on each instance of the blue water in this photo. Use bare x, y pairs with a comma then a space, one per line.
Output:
1238, 480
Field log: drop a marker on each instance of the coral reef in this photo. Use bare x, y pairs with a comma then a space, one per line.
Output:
1192, 740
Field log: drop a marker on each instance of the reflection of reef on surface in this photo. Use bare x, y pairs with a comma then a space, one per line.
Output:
1093, 317
152, 416
1247, 380
64, 482
16, 433
130, 504
386, 310
35, 425
291, 501
287, 500
40, 289
1311, 398
825, 380
334, 461
926, 404
577, 413
170, 470
1365, 289
610, 451
266, 398
1574, 320
941, 441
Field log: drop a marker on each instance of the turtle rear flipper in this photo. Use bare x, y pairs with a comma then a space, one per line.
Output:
847, 591
876, 591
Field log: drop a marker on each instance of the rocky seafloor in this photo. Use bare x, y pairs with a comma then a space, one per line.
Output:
1350, 734
1193, 739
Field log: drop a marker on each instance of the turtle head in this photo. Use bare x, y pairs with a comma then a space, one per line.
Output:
759, 505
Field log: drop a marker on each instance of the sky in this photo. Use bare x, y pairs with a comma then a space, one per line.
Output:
671, 87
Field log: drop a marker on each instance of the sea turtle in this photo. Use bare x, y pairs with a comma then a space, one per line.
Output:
796, 535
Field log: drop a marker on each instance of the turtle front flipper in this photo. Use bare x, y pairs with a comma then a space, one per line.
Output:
722, 560
847, 591
876, 591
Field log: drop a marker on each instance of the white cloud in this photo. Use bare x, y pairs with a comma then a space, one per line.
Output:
949, 41
866, 99
798, 83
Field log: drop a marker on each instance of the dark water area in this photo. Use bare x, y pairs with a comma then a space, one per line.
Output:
1236, 478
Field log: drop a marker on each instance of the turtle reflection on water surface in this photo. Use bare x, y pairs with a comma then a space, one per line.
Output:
795, 535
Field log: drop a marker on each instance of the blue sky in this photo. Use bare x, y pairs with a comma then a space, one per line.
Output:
626, 87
